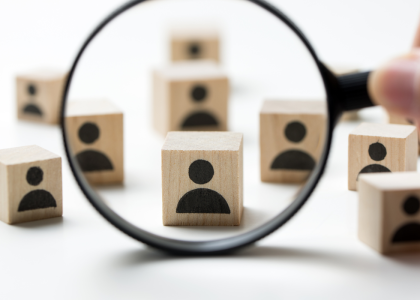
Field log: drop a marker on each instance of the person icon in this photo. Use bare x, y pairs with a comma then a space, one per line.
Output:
409, 232
294, 159
199, 94
202, 200
92, 160
36, 199
31, 108
377, 152
194, 50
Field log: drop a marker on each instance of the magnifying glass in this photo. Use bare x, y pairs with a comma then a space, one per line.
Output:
207, 75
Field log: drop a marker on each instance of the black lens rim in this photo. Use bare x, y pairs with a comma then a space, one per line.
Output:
215, 246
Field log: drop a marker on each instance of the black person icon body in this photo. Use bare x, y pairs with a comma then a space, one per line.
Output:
202, 179
381, 148
95, 129
38, 95
190, 96
389, 211
32, 187
291, 137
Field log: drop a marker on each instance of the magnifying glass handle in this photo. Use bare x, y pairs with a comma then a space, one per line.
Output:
354, 91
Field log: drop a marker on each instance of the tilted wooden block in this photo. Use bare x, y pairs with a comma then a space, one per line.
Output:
377, 148
190, 96
38, 96
30, 185
202, 178
389, 216
291, 139
396, 119
195, 44
95, 132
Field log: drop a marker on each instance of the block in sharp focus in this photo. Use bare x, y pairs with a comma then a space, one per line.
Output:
389, 216
38, 95
202, 178
292, 135
190, 96
396, 119
30, 185
377, 148
195, 44
95, 134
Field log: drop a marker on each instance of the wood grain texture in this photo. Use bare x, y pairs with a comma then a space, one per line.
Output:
14, 165
275, 116
205, 42
400, 142
47, 95
173, 103
381, 210
223, 150
109, 120
396, 119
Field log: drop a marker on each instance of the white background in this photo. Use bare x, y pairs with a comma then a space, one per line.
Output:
316, 255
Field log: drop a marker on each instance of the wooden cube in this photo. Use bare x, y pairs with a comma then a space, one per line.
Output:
202, 178
190, 96
291, 139
389, 216
95, 132
377, 148
38, 96
195, 44
396, 119
30, 185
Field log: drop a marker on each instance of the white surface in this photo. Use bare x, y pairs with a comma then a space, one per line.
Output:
315, 256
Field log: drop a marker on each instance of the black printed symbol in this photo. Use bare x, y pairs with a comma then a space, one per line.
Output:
202, 200
31, 89
32, 109
377, 152
409, 232
92, 160
199, 93
194, 50
409, 121
36, 199
294, 159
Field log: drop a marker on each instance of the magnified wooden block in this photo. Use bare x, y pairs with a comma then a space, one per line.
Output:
291, 139
95, 133
30, 185
389, 216
195, 44
395, 119
38, 96
202, 178
375, 148
190, 96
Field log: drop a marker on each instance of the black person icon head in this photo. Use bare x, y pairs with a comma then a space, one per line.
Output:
32, 108
91, 160
377, 152
409, 232
202, 200
194, 49
39, 198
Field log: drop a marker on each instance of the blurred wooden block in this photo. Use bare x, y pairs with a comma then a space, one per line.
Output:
291, 139
395, 119
195, 44
377, 148
202, 178
190, 96
30, 185
95, 133
39, 95
389, 217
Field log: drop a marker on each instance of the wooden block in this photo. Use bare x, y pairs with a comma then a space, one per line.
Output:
202, 178
396, 119
291, 139
389, 216
95, 132
381, 148
190, 96
195, 44
38, 96
30, 185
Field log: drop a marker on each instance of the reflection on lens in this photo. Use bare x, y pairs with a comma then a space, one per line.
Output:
204, 152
